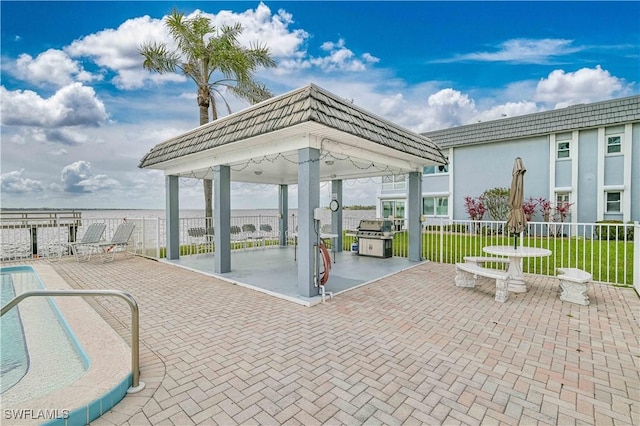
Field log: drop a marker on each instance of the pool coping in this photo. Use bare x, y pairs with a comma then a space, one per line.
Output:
103, 385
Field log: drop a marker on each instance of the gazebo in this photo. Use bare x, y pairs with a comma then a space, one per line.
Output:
302, 137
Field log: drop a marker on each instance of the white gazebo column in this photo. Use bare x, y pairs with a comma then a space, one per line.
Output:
283, 211
308, 200
414, 212
222, 218
336, 217
172, 185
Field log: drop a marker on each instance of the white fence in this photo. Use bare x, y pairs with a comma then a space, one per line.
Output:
604, 250
607, 251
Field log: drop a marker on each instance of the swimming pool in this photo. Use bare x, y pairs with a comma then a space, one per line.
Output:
39, 352
91, 360
14, 360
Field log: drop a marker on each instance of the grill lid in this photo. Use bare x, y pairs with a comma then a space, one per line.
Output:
371, 227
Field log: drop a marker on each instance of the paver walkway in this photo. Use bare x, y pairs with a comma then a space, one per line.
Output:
409, 349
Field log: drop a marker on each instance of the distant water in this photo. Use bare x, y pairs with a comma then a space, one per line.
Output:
21, 235
350, 215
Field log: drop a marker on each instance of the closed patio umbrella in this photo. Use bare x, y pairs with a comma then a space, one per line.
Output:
516, 221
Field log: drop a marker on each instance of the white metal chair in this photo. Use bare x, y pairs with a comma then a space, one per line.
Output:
118, 243
251, 236
83, 249
237, 237
266, 233
198, 239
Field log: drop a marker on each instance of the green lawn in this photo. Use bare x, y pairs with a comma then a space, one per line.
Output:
589, 255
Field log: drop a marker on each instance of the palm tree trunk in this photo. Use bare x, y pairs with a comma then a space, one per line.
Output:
208, 199
203, 103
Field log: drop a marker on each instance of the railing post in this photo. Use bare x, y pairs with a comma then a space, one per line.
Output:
441, 240
143, 244
157, 238
636, 257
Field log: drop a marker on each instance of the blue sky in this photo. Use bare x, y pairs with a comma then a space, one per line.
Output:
78, 112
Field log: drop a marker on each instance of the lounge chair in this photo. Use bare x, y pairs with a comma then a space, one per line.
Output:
198, 239
119, 242
253, 238
266, 232
238, 239
83, 249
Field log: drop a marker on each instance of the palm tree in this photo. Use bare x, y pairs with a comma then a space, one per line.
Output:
204, 50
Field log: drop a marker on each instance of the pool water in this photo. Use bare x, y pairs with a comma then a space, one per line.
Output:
39, 352
14, 358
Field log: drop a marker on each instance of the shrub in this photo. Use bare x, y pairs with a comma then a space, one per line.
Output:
496, 201
529, 208
563, 210
456, 227
545, 208
474, 207
608, 232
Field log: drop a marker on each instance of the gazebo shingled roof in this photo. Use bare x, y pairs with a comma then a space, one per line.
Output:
304, 105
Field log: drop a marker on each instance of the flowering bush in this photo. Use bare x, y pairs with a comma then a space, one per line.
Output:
529, 208
545, 207
563, 210
474, 207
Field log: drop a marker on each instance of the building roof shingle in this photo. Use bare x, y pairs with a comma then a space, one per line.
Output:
605, 113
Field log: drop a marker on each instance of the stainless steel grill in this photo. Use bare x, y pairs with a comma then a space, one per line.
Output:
375, 238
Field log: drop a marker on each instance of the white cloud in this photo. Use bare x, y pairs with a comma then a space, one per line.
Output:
33, 135
98, 183
271, 29
117, 50
586, 85
287, 45
14, 182
59, 152
525, 51
448, 108
75, 173
422, 111
342, 59
72, 105
390, 105
78, 178
52, 66
509, 109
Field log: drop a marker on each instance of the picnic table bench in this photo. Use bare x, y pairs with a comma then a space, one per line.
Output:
481, 260
467, 274
573, 282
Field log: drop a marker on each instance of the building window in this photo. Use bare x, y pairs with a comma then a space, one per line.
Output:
614, 202
562, 198
393, 208
435, 206
394, 182
614, 144
563, 150
435, 170
563, 145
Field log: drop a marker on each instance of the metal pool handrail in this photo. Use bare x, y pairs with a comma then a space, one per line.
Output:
137, 385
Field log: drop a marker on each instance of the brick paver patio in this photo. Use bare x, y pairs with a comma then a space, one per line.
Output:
409, 349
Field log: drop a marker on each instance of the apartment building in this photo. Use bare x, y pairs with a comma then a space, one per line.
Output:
587, 155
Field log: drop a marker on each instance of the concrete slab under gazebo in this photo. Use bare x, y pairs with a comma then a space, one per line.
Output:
302, 137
